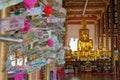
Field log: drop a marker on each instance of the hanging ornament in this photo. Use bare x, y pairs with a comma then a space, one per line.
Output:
29, 3
48, 10
50, 42
49, 61
26, 27
19, 76
40, 33
25, 41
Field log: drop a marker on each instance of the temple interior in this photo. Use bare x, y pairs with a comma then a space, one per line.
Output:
95, 41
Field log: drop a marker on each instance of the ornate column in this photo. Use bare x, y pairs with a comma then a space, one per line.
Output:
3, 48
106, 29
66, 25
37, 75
101, 32
96, 35
98, 30
47, 72
112, 21
118, 26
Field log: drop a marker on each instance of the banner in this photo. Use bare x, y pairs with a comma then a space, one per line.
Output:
35, 11
11, 23
52, 19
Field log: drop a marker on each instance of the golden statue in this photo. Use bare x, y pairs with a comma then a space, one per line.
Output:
84, 43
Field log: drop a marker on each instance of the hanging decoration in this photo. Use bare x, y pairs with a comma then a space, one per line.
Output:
50, 42
8, 65
29, 3
26, 27
10, 39
11, 23
48, 10
19, 76
45, 31
35, 11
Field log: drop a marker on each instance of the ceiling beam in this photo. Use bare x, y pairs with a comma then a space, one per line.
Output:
81, 18
79, 23
81, 4
70, 12
84, 0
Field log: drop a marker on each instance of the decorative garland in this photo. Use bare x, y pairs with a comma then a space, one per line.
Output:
47, 34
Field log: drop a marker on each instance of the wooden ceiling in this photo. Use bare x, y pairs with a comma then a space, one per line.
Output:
90, 10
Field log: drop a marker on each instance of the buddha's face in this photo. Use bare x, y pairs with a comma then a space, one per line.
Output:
85, 36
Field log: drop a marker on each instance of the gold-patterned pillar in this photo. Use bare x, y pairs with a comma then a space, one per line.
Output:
37, 75
101, 32
98, 32
96, 35
3, 48
118, 20
30, 76
106, 28
112, 21
47, 72
66, 24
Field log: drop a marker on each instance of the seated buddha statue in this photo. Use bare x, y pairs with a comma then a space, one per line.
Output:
84, 43
84, 46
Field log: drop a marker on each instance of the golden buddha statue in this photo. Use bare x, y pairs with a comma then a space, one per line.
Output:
84, 43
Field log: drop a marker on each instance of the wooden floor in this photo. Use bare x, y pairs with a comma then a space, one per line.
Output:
91, 77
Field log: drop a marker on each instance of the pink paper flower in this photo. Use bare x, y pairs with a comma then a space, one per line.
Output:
29, 3
50, 42
26, 27
48, 10
19, 76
